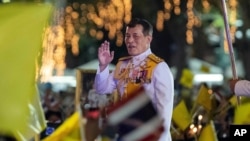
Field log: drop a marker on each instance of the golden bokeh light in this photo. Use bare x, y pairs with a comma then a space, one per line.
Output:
72, 21
80, 18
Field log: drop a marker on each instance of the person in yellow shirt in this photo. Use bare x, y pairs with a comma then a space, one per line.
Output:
141, 68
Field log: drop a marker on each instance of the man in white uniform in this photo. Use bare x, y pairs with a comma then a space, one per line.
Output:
240, 87
141, 69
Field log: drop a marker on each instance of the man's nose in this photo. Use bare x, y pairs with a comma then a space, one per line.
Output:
130, 39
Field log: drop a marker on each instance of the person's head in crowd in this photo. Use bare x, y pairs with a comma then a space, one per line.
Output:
53, 116
48, 86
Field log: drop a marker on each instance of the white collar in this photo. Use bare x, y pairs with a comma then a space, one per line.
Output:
139, 58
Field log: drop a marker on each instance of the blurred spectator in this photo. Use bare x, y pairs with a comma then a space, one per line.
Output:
97, 100
53, 116
50, 101
54, 120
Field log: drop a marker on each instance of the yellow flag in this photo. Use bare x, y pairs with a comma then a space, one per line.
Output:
204, 98
233, 100
243, 100
36, 121
208, 133
21, 27
187, 78
68, 131
242, 114
181, 116
205, 68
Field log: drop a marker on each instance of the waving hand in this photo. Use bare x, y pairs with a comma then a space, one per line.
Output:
104, 55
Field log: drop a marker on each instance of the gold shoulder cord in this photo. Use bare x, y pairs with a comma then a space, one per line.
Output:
118, 75
121, 76
155, 58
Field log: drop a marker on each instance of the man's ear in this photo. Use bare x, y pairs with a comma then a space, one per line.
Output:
149, 38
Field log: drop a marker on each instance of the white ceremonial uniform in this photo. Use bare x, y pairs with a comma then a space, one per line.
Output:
160, 88
242, 88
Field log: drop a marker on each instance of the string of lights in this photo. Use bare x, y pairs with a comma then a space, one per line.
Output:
76, 19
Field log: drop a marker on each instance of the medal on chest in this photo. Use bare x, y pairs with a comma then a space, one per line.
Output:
135, 74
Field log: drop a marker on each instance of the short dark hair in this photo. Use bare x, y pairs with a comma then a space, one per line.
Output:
147, 27
50, 113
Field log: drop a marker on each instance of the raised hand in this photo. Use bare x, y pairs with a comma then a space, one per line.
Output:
104, 55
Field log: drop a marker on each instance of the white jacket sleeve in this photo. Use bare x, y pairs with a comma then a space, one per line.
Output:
242, 88
164, 96
104, 81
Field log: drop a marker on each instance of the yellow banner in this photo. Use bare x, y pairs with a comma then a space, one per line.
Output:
204, 98
187, 78
208, 133
68, 131
181, 116
21, 26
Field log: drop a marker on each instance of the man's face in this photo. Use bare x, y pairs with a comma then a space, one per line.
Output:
135, 41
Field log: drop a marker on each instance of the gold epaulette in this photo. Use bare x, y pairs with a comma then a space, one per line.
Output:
125, 58
155, 58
